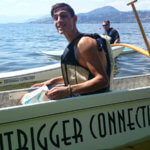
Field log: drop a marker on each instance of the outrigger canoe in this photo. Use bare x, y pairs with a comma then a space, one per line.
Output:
114, 120
119, 119
116, 51
30, 75
39, 74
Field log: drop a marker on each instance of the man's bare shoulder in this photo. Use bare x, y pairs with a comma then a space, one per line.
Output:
86, 43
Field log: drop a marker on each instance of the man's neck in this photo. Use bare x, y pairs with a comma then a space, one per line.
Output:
107, 31
71, 36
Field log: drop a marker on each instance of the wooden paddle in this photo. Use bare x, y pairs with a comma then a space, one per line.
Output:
140, 25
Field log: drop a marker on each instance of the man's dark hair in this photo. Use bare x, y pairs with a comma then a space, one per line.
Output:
62, 5
107, 21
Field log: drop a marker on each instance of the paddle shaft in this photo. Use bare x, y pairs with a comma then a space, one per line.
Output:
140, 25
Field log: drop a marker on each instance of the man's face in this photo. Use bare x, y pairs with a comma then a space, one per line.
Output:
106, 26
63, 21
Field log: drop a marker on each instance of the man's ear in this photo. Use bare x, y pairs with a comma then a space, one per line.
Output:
75, 18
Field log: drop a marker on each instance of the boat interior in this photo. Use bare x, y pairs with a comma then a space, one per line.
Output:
12, 97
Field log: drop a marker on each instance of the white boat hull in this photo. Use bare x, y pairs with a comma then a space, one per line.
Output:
30, 75
116, 51
38, 74
102, 121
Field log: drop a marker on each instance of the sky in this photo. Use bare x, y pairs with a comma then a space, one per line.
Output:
19, 10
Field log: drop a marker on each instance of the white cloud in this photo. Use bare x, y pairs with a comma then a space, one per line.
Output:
44, 0
42, 7
10, 1
143, 5
23, 4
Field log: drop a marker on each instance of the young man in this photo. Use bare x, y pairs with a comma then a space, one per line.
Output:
84, 67
115, 38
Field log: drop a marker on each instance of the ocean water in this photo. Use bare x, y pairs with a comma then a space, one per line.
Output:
21, 46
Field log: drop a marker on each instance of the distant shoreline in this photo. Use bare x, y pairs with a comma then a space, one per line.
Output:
93, 17
104, 13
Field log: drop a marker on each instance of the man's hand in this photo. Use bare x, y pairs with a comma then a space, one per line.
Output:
58, 93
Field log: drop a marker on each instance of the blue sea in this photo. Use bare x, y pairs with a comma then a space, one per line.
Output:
21, 46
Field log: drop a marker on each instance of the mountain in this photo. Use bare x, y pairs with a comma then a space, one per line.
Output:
104, 13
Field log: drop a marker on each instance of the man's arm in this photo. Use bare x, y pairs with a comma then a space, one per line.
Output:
89, 57
117, 40
116, 36
54, 81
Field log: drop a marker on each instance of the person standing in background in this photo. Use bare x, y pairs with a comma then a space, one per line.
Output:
111, 32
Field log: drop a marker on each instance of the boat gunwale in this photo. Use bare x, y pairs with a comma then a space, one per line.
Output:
65, 105
132, 76
7, 75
